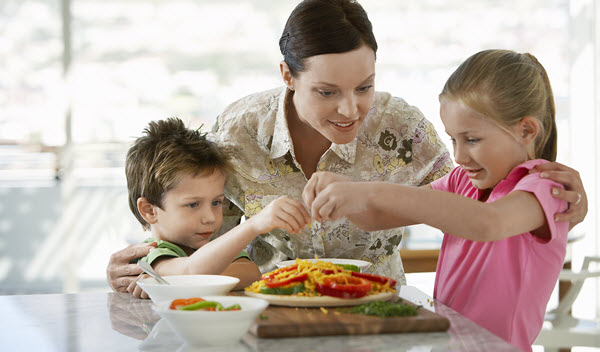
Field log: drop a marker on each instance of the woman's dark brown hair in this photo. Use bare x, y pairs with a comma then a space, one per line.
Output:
317, 27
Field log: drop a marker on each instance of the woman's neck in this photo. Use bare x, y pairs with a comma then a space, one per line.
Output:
309, 144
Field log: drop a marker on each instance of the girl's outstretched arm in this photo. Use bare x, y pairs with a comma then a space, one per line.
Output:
380, 205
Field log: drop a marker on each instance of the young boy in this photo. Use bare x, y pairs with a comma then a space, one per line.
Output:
176, 179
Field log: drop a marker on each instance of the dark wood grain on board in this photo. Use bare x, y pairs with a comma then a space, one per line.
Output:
278, 321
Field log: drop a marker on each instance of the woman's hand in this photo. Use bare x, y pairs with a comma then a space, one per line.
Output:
119, 272
283, 213
136, 290
340, 199
574, 193
317, 183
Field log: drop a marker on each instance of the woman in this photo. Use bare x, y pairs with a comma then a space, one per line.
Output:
328, 118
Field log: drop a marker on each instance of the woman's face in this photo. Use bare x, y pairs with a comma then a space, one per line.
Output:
335, 92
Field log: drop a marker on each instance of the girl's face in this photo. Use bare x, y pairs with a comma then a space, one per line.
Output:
335, 92
192, 211
484, 150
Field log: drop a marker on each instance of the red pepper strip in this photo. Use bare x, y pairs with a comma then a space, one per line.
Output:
274, 273
180, 302
375, 278
288, 280
337, 287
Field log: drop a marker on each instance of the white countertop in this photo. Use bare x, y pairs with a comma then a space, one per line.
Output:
117, 322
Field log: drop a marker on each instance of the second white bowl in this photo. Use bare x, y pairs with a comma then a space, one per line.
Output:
200, 328
187, 286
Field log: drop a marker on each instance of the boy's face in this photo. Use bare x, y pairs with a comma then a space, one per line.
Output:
192, 211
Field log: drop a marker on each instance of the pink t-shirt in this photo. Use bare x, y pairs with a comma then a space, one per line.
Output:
503, 285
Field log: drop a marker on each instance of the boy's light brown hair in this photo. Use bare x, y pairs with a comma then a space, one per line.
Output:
166, 151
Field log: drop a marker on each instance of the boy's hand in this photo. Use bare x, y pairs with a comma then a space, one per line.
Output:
340, 199
283, 213
119, 272
317, 183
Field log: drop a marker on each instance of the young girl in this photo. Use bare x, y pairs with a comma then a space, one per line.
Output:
502, 249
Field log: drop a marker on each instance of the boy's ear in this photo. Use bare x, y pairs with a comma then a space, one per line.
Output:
286, 75
528, 129
147, 210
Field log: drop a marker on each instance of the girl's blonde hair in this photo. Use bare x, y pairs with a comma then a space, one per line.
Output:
506, 86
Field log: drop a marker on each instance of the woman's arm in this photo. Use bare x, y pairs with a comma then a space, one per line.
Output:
574, 193
378, 205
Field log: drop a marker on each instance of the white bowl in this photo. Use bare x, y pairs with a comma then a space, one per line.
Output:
187, 286
363, 265
213, 328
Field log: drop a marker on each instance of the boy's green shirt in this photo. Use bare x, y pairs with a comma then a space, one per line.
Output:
169, 249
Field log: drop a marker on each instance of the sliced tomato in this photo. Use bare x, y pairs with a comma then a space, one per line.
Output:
375, 278
355, 287
272, 283
180, 302
274, 273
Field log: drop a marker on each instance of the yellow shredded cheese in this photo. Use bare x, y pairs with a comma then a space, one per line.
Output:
315, 276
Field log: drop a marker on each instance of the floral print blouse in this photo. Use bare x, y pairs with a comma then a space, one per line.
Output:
395, 144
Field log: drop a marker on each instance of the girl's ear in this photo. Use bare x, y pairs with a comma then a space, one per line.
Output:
528, 129
147, 210
286, 74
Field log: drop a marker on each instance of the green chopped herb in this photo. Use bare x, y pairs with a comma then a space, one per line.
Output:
384, 309
349, 267
263, 317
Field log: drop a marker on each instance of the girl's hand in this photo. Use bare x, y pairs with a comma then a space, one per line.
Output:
318, 182
119, 272
283, 213
340, 199
573, 193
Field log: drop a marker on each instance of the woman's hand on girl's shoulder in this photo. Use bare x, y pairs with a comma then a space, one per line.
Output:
574, 193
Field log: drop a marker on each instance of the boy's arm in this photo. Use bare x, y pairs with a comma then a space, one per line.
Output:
379, 205
214, 257
217, 255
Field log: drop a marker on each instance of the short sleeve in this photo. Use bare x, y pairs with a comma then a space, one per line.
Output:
163, 249
431, 159
449, 182
542, 190
243, 254
441, 184
158, 253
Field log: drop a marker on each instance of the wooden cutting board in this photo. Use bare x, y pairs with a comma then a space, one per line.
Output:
296, 322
